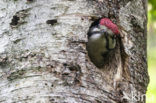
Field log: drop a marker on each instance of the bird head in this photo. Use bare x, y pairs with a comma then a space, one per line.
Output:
108, 24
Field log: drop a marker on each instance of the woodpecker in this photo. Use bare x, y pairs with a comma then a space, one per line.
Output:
101, 39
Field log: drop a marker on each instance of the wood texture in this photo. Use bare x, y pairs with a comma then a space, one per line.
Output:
43, 55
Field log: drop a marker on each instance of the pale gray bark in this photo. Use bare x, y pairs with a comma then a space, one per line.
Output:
43, 57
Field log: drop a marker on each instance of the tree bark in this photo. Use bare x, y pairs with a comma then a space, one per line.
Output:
43, 57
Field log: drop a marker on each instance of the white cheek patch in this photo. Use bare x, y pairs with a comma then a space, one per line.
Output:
95, 30
95, 36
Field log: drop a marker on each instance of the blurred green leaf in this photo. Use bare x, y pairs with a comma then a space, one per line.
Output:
151, 92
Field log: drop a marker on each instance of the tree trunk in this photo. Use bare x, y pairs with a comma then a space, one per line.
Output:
44, 59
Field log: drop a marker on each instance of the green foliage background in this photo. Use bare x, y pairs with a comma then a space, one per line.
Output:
151, 47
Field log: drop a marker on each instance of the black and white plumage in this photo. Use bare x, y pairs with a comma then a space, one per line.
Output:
101, 40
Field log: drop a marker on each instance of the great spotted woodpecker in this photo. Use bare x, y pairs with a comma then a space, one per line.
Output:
101, 39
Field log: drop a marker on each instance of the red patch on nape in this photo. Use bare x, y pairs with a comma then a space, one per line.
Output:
110, 25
